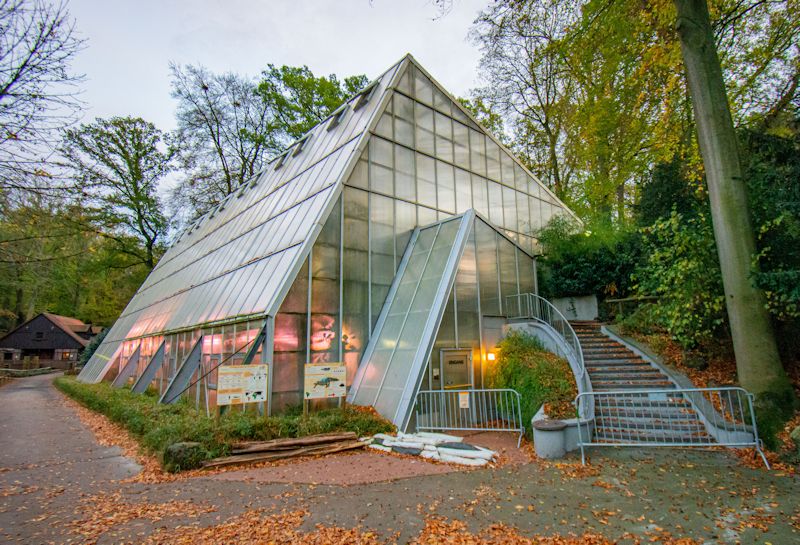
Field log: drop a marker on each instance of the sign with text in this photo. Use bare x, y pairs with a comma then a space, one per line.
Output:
463, 400
239, 384
325, 380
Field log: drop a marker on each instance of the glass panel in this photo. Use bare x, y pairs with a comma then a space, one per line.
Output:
380, 173
384, 126
325, 334
508, 269
445, 184
461, 144
424, 129
404, 183
480, 197
404, 120
495, 203
536, 213
404, 132
507, 166
405, 221
444, 138
525, 266
521, 178
493, 159
359, 176
463, 191
423, 88
523, 214
405, 83
289, 352
509, 208
382, 246
426, 181
487, 268
355, 293
426, 216
441, 102
403, 107
477, 147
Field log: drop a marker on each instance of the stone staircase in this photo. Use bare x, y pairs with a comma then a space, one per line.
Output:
633, 418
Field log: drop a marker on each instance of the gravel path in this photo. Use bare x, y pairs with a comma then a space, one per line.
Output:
57, 485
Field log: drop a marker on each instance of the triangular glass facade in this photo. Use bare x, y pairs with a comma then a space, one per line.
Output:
313, 246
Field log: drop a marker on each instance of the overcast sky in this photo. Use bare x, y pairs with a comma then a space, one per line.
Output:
131, 42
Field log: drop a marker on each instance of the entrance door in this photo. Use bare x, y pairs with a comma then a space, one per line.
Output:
456, 369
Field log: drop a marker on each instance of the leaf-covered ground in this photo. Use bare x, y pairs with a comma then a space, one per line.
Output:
59, 485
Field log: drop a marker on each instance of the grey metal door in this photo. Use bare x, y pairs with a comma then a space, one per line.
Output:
456, 368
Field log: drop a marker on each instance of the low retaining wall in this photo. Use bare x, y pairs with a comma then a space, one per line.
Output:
582, 307
549, 443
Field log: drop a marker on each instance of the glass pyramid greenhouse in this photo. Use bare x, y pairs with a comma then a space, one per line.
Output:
389, 235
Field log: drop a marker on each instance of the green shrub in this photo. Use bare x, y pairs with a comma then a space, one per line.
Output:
90, 349
597, 260
157, 426
539, 376
682, 268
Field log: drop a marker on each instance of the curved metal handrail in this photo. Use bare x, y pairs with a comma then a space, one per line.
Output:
530, 306
538, 308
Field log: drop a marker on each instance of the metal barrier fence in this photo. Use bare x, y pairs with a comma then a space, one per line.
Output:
686, 417
469, 410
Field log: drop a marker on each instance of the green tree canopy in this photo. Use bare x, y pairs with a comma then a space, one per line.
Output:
299, 100
116, 167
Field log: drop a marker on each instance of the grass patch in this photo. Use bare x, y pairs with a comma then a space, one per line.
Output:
157, 426
539, 376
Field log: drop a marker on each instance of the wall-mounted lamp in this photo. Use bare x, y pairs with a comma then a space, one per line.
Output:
490, 356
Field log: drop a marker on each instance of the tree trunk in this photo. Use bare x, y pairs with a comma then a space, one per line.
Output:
757, 361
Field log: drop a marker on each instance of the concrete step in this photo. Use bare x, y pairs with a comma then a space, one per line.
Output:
649, 413
604, 350
607, 385
614, 368
625, 435
600, 344
655, 424
672, 441
645, 400
604, 376
615, 362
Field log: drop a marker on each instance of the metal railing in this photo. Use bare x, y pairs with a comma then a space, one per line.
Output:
529, 306
469, 410
686, 417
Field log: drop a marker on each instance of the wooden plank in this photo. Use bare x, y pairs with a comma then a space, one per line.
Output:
316, 450
291, 442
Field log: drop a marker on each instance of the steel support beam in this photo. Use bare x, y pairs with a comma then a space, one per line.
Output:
150, 370
184, 374
129, 370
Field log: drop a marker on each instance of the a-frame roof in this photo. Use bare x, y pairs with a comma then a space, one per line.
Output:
238, 261
70, 326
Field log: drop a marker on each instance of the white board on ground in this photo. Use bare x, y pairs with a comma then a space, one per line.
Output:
325, 380
239, 384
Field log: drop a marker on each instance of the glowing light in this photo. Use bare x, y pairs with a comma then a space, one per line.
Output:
490, 356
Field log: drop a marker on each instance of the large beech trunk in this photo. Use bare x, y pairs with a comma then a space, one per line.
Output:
757, 360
